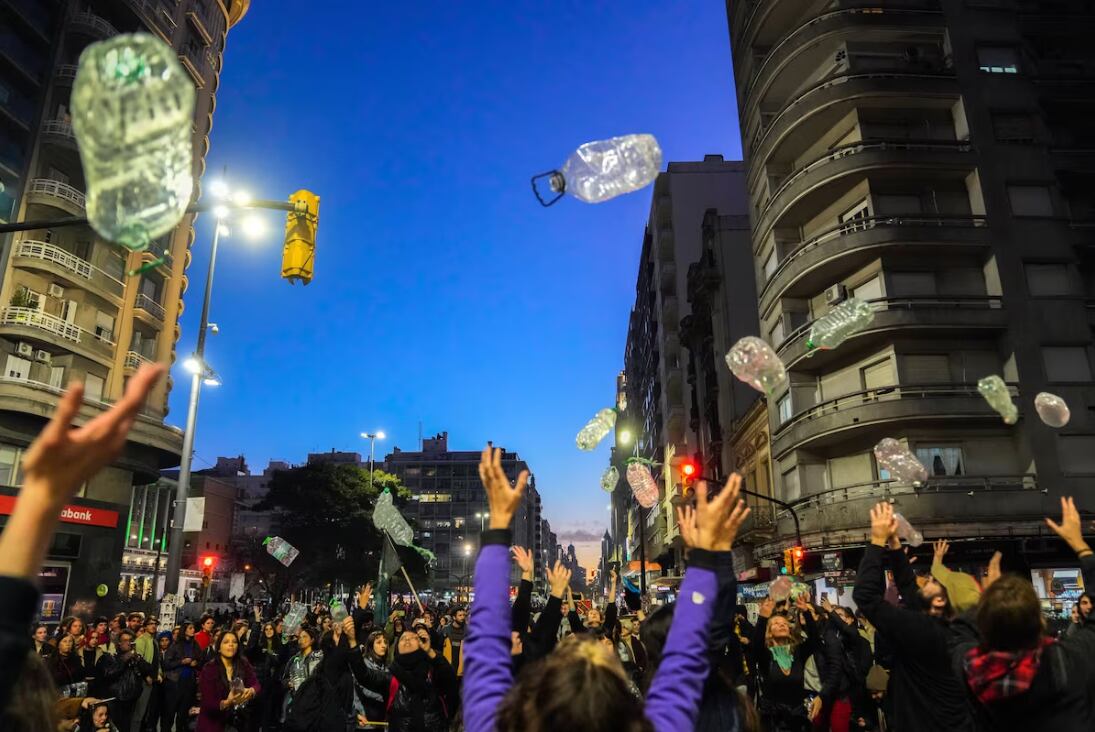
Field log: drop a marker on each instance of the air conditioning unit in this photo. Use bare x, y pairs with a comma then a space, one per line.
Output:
25, 349
836, 294
42, 356
56, 291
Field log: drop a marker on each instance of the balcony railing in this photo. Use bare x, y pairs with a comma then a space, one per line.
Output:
36, 319
873, 222
67, 73
146, 303
59, 190
57, 255
98, 25
134, 360
58, 127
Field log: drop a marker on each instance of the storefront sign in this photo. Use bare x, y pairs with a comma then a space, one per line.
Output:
832, 562
84, 515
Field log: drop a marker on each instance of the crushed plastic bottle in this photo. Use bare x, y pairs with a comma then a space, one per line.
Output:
610, 479
132, 111
293, 618
800, 589
780, 588
895, 458
338, 610
601, 170
642, 484
281, 550
835, 326
754, 362
997, 394
1052, 409
596, 429
387, 517
906, 532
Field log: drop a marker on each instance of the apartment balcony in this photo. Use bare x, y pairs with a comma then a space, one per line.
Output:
194, 63
665, 244
31, 254
934, 316
148, 305
998, 505
863, 414
134, 361
90, 24
30, 324
60, 131
59, 195
814, 43
806, 190
814, 111
66, 74
809, 267
198, 24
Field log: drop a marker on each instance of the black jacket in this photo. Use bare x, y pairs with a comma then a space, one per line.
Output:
420, 703
18, 601
927, 694
1062, 696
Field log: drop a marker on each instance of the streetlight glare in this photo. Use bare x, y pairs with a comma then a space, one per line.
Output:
192, 365
380, 435
218, 188
625, 437
253, 226
241, 198
220, 211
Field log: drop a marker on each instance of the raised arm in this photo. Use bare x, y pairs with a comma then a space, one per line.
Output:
611, 612
522, 606
673, 701
488, 671
546, 633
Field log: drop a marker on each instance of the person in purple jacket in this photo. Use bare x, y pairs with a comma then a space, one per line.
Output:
582, 686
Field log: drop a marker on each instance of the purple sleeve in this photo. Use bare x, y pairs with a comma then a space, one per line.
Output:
487, 671
673, 701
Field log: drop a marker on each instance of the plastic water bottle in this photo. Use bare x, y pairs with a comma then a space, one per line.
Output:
281, 550
610, 479
132, 111
294, 617
642, 484
1052, 409
754, 362
596, 429
604, 169
906, 532
387, 517
780, 588
895, 458
997, 394
833, 328
338, 610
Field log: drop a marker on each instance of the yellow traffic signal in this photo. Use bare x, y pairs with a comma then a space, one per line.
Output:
298, 256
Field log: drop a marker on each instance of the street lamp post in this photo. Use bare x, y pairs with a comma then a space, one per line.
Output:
467, 590
372, 438
482, 517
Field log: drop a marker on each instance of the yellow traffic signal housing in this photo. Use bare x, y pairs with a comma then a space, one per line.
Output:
298, 256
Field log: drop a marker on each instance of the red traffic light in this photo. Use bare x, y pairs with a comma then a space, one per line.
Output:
799, 553
208, 562
688, 469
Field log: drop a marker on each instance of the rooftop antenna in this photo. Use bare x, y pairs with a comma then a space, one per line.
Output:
420, 435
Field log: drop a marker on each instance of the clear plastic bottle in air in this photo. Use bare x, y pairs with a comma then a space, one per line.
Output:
906, 532
642, 484
281, 550
754, 362
834, 327
780, 588
596, 429
293, 618
338, 610
610, 479
1052, 409
895, 458
997, 394
132, 112
601, 170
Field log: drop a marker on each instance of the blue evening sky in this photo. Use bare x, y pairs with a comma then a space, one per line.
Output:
443, 292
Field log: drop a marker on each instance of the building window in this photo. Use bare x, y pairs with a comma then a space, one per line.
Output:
10, 475
1066, 363
770, 265
998, 60
1076, 453
776, 335
1047, 279
858, 212
1030, 200
784, 406
941, 460
1013, 127
93, 387
17, 368
790, 485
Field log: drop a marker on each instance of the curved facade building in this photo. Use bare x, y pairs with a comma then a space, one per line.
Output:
923, 156
68, 311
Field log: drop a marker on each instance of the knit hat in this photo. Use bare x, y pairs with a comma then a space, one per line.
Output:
163, 634
878, 678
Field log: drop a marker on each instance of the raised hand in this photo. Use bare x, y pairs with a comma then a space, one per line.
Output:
686, 522
1070, 528
504, 499
365, 595
883, 525
559, 579
939, 549
993, 572
523, 557
718, 519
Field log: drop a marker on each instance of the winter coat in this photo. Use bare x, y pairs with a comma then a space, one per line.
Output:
417, 690
213, 686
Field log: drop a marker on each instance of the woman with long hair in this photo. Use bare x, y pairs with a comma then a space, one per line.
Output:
226, 684
374, 654
75, 627
301, 666
264, 652
779, 653
66, 667
180, 669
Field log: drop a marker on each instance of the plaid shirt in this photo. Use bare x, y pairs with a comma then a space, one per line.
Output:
996, 675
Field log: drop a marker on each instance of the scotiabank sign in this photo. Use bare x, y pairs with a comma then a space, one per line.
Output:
84, 515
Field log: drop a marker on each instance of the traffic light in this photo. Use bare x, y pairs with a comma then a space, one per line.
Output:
788, 566
797, 555
209, 563
301, 224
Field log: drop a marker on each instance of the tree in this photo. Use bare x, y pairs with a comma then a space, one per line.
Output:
326, 511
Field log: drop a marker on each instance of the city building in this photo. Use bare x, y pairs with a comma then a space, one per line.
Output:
449, 508
335, 457
933, 159
655, 380
67, 309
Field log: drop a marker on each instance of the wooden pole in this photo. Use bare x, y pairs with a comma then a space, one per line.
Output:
407, 577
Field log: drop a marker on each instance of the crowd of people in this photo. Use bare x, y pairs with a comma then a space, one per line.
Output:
942, 650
